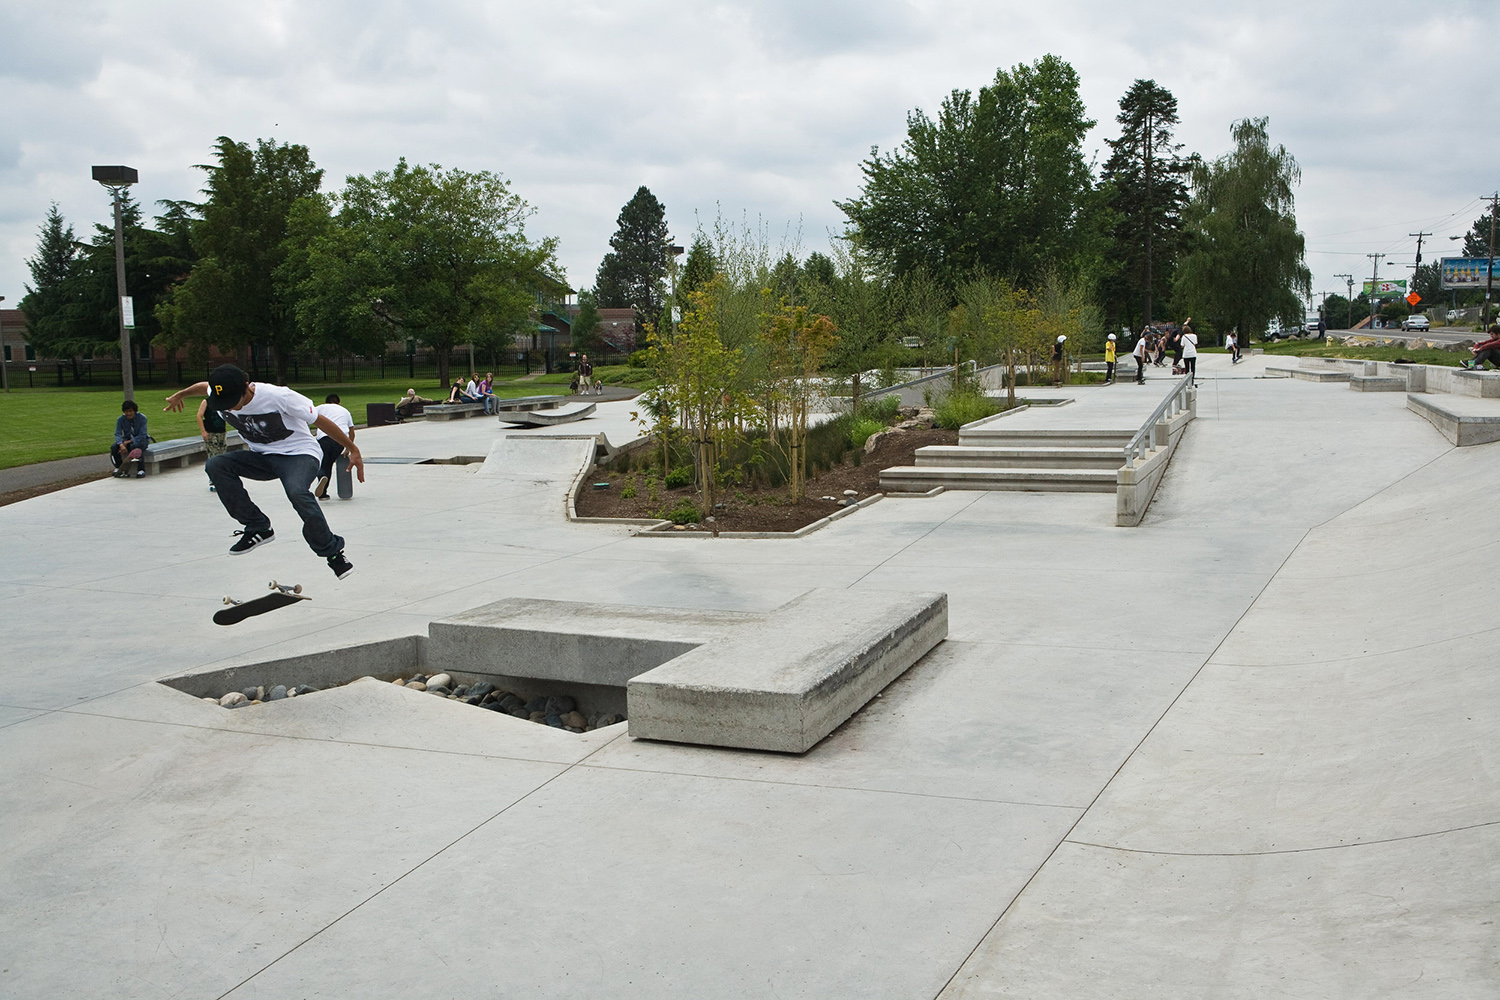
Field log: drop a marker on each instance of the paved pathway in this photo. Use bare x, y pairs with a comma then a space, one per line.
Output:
1244, 750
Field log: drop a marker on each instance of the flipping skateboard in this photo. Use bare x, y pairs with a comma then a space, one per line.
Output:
279, 597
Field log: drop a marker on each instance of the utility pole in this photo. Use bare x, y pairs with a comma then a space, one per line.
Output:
1349, 299
1489, 280
1374, 280
1419, 245
4, 362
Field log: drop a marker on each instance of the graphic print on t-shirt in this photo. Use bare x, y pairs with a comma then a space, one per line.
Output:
258, 428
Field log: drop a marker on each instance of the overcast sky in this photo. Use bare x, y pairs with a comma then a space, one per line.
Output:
756, 109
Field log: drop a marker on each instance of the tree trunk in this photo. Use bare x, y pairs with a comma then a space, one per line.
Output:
442, 360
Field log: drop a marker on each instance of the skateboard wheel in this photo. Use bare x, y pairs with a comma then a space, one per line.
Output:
297, 589
228, 600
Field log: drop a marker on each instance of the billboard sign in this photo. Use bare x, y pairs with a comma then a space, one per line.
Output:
1386, 289
1465, 272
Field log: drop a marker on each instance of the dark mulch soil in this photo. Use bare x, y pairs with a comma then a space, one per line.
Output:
26, 493
749, 508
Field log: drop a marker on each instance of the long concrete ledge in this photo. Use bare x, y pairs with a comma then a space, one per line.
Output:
1463, 420
791, 681
1308, 374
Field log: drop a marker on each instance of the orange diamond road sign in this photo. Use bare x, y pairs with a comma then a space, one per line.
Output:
1413, 299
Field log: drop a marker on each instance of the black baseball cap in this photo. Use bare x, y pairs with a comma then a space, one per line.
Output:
226, 387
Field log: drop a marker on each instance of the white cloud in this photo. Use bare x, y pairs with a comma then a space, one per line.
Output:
759, 107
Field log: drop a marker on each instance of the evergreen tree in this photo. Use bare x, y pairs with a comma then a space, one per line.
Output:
698, 267
632, 274
1244, 266
233, 299
1477, 240
1147, 192
46, 296
586, 323
997, 183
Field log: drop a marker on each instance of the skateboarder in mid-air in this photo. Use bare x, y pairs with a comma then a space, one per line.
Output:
274, 421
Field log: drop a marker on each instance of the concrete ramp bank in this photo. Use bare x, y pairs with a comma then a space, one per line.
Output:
555, 457
1318, 814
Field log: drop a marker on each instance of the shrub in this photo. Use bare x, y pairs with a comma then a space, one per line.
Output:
679, 477
959, 408
860, 430
882, 408
686, 512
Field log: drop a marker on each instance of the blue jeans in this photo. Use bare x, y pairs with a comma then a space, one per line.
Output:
296, 473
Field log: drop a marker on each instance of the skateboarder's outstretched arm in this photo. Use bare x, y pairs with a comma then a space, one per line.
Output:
174, 401
336, 432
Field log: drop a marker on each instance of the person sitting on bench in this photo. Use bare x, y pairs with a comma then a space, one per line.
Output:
131, 440
408, 405
456, 393
1489, 351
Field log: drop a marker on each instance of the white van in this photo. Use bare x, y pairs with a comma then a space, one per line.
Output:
1310, 324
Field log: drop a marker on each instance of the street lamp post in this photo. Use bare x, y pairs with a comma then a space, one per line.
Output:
1348, 284
4, 362
117, 179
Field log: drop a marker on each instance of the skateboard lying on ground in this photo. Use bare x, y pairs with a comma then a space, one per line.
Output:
279, 597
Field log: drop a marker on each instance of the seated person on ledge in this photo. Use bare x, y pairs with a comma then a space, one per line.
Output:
456, 393
131, 440
410, 403
1489, 351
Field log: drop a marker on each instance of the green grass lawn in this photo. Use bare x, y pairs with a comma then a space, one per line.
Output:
39, 425
635, 378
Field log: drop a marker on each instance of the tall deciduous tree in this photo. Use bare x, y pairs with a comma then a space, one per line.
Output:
995, 183
1244, 265
233, 298
633, 272
439, 255
1147, 193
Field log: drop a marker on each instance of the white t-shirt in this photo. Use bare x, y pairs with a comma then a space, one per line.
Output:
1190, 345
276, 422
1140, 347
336, 413
471, 388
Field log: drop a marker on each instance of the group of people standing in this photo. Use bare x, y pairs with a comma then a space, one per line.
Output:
1157, 341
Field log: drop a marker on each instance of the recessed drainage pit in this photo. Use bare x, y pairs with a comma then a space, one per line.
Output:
544, 700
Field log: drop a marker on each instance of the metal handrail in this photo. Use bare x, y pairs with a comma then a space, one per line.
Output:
1173, 399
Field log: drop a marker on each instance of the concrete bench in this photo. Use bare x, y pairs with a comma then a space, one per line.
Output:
452, 411
182, 451
528, 403
547, 417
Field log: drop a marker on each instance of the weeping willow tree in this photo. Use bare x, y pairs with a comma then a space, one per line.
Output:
1244, 264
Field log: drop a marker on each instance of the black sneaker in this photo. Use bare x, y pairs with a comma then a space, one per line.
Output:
140, 473
250, 538
341, 567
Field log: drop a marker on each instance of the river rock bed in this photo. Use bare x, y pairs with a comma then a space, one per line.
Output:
557, 711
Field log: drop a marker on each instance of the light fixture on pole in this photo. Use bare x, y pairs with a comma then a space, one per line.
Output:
675, 252
117, 179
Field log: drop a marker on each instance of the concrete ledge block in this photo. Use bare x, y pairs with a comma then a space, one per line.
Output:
786, 685
1377, 383
1485, 385
1458, 420
1309, 374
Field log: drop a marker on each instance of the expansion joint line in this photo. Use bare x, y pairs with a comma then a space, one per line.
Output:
1066, 837
415, 868
914, 541
1288, 850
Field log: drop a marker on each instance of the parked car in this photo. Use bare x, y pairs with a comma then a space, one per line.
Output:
1416, 321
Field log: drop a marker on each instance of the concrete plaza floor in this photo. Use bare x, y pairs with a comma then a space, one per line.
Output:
1244, 750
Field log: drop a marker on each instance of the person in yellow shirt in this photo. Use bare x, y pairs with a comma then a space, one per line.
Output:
1109, 360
